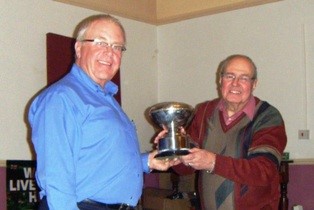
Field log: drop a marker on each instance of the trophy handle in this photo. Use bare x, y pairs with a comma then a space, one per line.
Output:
189, 139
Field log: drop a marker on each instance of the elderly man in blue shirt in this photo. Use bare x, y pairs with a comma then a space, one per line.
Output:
87, 149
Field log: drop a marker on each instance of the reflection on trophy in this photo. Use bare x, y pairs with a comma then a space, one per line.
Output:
172, 115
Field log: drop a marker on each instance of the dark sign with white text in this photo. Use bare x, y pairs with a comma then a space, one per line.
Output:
22, 190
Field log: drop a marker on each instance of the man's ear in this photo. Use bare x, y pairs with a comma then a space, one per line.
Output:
77, 48
254, 84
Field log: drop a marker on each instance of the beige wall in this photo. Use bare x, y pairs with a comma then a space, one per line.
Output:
170, 62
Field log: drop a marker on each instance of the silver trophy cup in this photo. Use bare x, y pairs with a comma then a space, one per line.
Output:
172, 115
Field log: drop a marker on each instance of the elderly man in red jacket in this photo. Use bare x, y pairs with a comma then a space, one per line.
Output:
241, 140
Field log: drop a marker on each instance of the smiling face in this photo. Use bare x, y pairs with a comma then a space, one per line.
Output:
100, 63
237, 84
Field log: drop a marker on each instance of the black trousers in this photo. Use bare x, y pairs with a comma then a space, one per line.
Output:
85, 206
94, 205
43, 205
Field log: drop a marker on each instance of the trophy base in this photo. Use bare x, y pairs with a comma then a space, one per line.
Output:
171, 154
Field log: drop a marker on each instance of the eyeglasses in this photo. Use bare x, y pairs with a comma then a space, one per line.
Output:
117, 48
231, 77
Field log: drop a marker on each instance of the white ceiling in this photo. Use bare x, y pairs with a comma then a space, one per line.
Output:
158, 12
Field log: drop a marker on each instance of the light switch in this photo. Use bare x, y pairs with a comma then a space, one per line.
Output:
304, 134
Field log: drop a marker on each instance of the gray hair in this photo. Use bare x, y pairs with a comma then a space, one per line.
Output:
82, 27
224, 64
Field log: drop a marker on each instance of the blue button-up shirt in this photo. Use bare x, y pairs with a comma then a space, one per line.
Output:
86, 146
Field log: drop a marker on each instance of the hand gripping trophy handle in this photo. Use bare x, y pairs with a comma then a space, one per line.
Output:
173, 116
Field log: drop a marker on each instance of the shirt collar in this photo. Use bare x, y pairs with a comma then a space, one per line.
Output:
110, 87
248, 108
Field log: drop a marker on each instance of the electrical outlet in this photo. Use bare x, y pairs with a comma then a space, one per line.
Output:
304, 134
